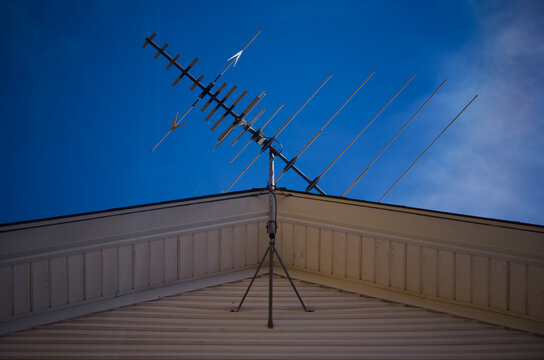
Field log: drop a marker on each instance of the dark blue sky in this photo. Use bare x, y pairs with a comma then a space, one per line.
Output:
82, 103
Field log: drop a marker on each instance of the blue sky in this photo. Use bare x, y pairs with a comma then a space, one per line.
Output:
82, 103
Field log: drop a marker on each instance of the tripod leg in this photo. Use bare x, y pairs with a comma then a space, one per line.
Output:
252, 280
291, 281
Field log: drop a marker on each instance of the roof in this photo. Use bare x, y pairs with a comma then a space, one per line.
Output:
199, 324
483, 269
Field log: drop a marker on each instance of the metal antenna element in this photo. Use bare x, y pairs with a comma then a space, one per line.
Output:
175, 124
259, 131
393, 139
269, 141
239, 121
428, 147
197, 82
234, 59
293, 160
250, 124
302, 107
313, 184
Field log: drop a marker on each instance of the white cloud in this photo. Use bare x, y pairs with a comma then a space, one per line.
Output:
492, 163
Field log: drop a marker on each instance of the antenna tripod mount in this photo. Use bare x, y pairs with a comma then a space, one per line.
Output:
271, 227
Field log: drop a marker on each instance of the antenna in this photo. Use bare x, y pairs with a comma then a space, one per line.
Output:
257, 135
428, 147
393, 139
215, 100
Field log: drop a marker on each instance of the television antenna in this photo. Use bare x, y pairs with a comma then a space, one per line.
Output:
266, 143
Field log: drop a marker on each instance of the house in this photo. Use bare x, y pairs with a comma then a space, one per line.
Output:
159, 280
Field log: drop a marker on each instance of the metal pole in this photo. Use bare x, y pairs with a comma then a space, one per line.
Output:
271, 227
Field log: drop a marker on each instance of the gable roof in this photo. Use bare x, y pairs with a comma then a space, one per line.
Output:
484, 269
199, 324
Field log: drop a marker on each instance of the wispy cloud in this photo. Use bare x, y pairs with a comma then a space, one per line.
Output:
493, 165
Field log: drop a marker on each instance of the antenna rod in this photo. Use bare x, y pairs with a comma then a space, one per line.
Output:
237, 56
303, 105
256, 132
175, 125
428, 147
316, 180
393, 139
196, 82
292, 162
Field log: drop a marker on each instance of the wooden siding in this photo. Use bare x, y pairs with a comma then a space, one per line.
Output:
100, 266
433, 271
199, 324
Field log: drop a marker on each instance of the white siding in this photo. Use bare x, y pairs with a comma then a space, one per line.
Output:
343, 325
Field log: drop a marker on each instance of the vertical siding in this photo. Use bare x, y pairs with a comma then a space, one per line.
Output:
382, 262
287, 244
446, 274
199, 254
325, 252
40, 285
186, 256
156, 262
59, 281
213, 253
252, 241
239, 247
21, 289
339, 254
480, 280
109, 272
262, 243
124, 267
171, 259
104, 273
6, 286
498, 284
76, 279
300, 246
313, 247
398, 265
413, 268
369, 258
140, 265
424, 270
417, 268
535, 289
353, 256
226, 249
463, 283
429, 270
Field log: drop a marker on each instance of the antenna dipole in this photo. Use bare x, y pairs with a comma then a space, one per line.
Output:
313, 184
428, 147
393, 139
293, 160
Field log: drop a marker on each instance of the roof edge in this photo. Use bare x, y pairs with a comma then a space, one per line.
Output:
419, 211
127, 209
